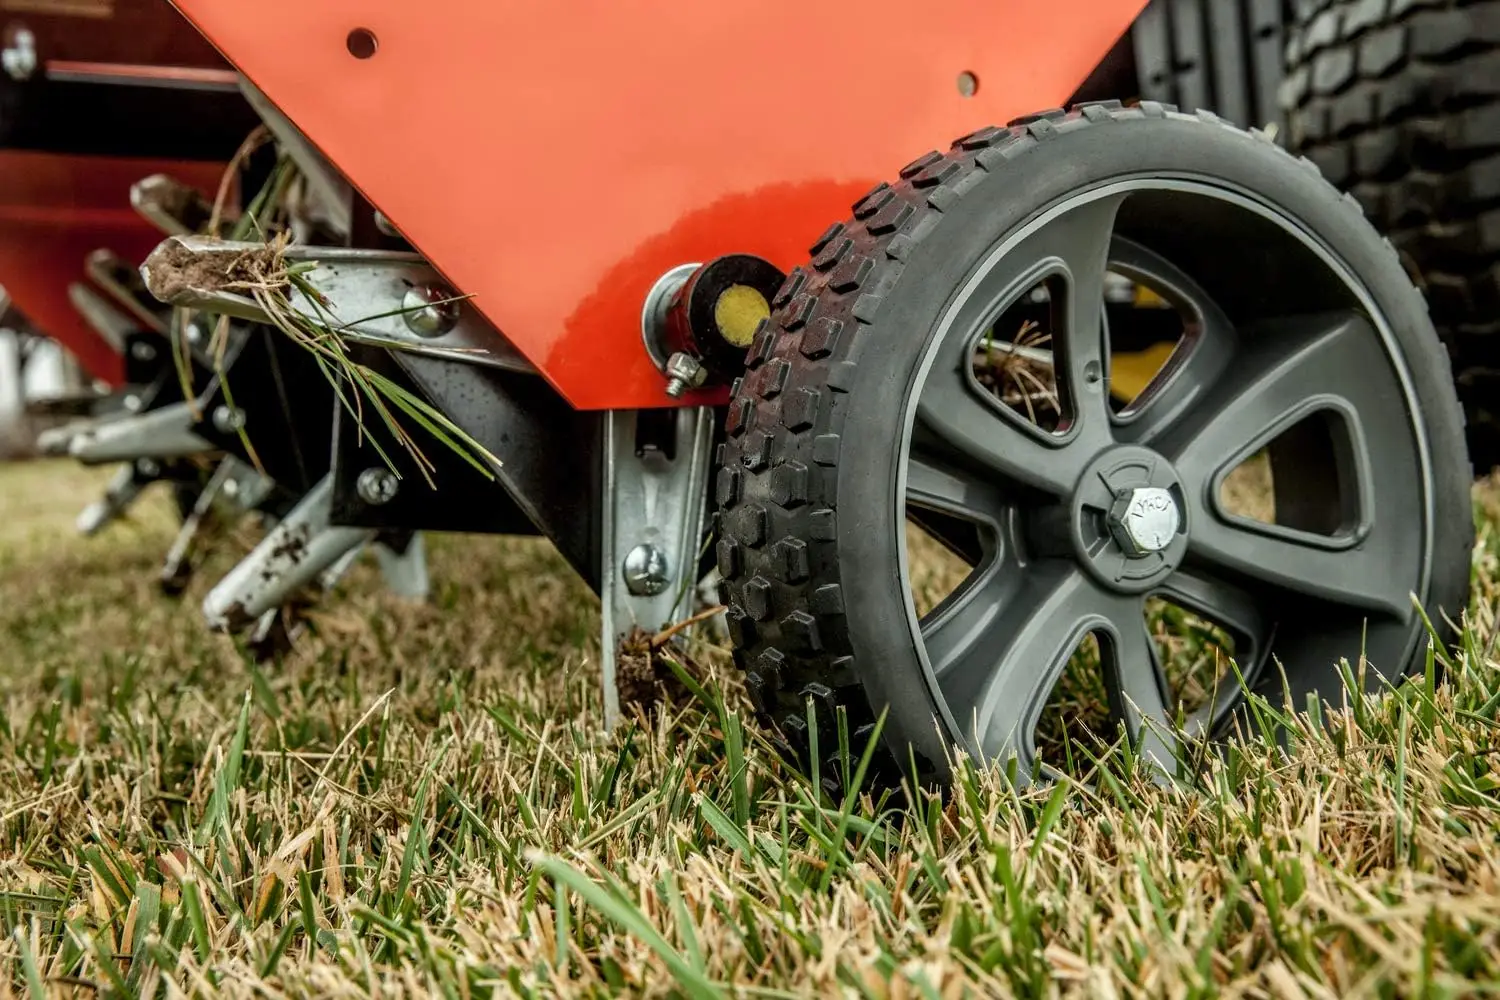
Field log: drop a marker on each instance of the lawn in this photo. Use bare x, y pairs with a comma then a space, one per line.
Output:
422, 799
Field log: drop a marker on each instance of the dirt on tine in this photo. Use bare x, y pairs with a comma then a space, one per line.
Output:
422, 799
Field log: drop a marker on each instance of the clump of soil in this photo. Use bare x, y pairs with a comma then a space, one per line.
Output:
173, 269
644, 680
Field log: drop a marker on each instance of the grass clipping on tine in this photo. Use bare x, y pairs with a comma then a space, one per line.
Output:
266, 277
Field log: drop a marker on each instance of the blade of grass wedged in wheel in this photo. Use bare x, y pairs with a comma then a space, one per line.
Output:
611, 904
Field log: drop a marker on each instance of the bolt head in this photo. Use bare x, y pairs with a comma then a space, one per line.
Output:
227, 420
428, 310
646, 570
377, 486
148, 467
132, 403
142, 351
686, 370
1144, 520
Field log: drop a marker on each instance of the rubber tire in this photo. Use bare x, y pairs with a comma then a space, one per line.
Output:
805, 484
1398, 102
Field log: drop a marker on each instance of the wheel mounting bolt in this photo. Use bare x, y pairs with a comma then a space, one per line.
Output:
646, 570
1144, 520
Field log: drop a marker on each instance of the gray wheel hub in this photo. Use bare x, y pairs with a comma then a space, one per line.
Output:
1129, 524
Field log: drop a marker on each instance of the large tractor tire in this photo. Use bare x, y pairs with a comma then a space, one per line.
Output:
1398, 101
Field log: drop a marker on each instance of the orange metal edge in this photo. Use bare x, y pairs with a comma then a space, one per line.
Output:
554, 160
54, 211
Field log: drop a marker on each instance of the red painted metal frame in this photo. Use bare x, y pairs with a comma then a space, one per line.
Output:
554, 157
54, 211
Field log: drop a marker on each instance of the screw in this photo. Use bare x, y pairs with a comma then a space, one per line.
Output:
132, 403
684, 372
377, 486
148, 468
142, 351
227, 421
429, 310
194, 333
231, 488
645, 570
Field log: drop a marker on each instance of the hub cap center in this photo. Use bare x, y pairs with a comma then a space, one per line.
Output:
1129, 523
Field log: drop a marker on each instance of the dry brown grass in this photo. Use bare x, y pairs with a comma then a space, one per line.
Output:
421, 800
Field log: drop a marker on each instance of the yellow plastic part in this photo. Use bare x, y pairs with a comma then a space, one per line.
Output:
738, 312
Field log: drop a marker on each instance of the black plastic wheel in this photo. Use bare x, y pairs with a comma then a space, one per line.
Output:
1398, 101
862, 413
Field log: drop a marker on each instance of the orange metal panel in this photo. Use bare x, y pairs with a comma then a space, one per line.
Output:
554, 157
54, 211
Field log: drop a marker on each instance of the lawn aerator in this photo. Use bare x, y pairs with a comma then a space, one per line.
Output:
710, 304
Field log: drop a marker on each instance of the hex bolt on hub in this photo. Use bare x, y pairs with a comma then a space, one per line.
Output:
646, 570
1144, 520
377, 486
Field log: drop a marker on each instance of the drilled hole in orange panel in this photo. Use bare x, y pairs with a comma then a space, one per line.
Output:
362, 43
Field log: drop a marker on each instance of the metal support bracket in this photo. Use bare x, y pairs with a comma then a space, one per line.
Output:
123, 283
119, 495
383, 298
405, 572
332, 192
163, 433
112, 326
291, 556
655, 501
170, 205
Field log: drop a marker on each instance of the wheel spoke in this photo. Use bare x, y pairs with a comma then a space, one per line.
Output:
1220, 602
1236, 612
1333, 362
967, 418
1137, 685
1080, 241
1208, 346
1357, 577
998, 646
1327, 357
934, 483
